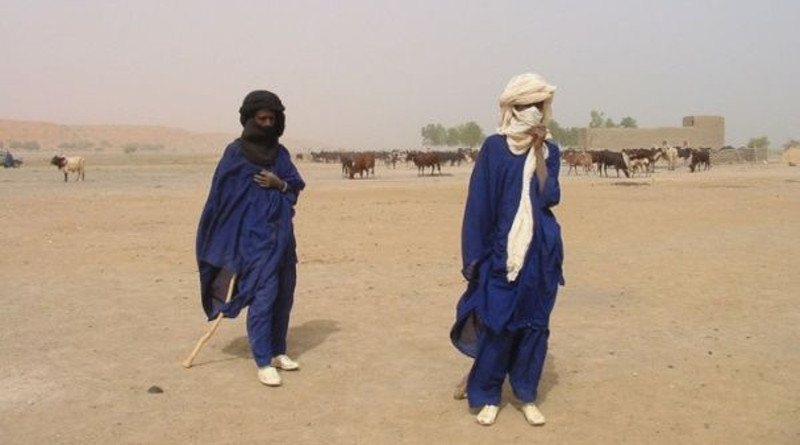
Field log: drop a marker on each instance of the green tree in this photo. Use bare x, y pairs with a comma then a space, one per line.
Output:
434, 134
762, 142
598, 119
471, 134
565, 136
453, 137
628, 122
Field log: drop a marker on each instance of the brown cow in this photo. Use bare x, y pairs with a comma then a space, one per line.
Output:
424, 160
577, 159
360, 163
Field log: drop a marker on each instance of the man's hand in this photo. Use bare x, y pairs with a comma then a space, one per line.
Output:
539, 132
268, 180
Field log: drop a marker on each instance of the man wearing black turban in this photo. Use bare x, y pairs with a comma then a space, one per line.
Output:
261, 115
246, 234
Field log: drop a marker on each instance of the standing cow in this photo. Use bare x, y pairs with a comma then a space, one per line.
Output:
618, 160
424, 160
70, 164
360, 163
700, 158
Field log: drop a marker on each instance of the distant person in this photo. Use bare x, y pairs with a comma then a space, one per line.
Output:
512, 253
8, 160
246, 232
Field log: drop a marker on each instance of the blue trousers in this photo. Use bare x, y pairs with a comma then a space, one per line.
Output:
519, 354
268, 315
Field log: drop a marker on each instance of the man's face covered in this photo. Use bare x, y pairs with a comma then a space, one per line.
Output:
264, 136
262, 102
524, 119
261, 115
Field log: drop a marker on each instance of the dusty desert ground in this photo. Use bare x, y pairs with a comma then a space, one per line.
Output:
679, 322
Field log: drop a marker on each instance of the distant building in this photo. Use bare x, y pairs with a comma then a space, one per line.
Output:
697, 131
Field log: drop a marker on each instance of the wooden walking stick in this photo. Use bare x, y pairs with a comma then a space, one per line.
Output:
204, 339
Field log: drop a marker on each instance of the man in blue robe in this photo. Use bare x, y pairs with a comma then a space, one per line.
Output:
246, 234
512, 254
8, 160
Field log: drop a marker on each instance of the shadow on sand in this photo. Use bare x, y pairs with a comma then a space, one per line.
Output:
301, 339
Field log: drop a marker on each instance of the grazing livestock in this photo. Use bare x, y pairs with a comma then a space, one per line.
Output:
685, 154
325, 156
390, 158
700, 157
70, 164
453, 157
671, 155
617, 160
424, 160
641, 165
577, 159
651, 154
347, 163
360, 163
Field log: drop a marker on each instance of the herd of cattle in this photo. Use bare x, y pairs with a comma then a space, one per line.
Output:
636, 160
630, 162
361, 163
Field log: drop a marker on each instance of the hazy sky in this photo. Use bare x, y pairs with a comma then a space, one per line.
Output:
370, 74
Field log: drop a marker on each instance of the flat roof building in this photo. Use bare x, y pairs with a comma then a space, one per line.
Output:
697, 131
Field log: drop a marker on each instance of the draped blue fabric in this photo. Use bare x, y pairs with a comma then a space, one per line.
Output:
245, 230
490, 301
8, 160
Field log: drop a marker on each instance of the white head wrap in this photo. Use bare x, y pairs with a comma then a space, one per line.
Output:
524, 89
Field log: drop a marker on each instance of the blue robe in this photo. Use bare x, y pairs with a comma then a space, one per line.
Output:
8, 160
245, 230
490, 301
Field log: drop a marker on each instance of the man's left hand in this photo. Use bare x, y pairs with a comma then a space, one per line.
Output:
539, 132
267, 179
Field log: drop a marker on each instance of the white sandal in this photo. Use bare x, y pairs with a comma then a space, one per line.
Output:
487, 415
532, 414
284, 362
269, 376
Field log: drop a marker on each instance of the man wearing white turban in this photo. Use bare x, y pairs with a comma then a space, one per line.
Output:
512, 253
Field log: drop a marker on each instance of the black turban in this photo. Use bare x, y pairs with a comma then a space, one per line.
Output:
260, 100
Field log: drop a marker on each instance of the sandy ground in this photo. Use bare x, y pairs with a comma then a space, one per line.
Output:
679, 322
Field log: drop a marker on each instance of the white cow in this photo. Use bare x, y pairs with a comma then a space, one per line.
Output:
69, 164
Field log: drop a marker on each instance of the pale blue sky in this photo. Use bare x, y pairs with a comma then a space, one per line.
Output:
367, 74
